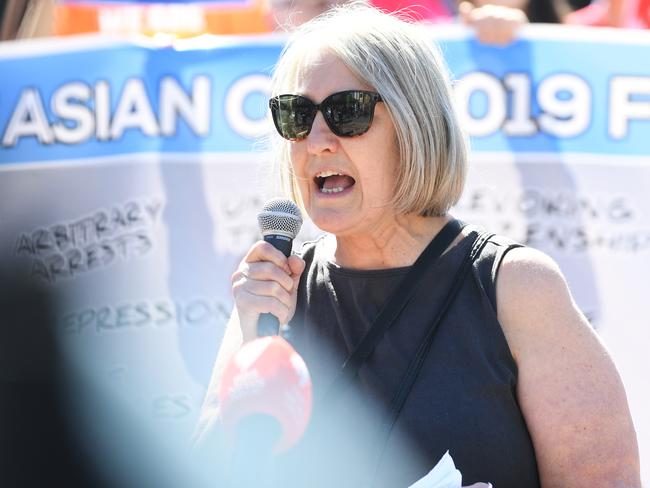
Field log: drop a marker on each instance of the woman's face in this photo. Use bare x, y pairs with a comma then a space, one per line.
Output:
346, 183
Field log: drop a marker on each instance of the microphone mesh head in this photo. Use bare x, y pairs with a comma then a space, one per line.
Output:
280, 216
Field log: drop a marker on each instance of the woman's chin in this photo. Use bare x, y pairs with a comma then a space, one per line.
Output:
332, 221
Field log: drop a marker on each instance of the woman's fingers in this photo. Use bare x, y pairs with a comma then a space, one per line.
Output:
270, 289
263, 271
297, 266
263, 251
265, 282
254, 298
258, 304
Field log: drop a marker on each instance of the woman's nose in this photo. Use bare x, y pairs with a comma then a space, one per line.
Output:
321, 138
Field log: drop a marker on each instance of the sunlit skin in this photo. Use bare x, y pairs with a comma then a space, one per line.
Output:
369, 232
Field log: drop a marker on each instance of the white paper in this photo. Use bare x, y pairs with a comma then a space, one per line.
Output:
443, 475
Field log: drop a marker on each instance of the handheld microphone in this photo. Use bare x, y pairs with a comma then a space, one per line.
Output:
279, 222
265, 401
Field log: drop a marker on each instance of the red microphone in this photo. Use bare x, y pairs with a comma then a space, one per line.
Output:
267, 378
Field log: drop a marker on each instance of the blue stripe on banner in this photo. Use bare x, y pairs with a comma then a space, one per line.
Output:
555, 96
134, 99
537, 95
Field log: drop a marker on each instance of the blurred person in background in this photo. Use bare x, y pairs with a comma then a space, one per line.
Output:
613, 13
286, 15
495, 22
23, 19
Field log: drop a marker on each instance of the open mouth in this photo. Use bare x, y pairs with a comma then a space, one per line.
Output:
333, 182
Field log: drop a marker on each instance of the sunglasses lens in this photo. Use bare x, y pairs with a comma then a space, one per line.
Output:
349, 113
292, 116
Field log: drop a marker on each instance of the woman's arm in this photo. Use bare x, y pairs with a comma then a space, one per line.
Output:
568, 388
232, 340
265, 282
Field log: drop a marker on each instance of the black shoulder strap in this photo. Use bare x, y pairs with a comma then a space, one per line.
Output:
394, 306
417, 362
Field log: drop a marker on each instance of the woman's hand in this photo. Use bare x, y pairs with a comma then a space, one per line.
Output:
265, 282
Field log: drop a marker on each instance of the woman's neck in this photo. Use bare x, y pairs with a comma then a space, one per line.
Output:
395, 244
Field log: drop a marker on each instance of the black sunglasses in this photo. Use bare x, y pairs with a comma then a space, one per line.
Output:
347, 113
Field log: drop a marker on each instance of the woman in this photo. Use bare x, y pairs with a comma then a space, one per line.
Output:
515, 384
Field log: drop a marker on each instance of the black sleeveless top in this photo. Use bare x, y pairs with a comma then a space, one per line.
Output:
463, 401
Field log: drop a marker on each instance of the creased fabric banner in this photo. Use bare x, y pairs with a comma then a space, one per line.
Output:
131, 176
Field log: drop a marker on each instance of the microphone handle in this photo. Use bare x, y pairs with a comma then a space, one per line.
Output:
268, 324
280, 242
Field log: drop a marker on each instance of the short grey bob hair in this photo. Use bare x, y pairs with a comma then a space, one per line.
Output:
400, 61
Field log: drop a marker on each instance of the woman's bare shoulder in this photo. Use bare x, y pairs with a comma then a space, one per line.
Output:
568, 387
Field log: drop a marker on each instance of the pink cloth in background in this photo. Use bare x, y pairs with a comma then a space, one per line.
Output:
422, 10
636, 14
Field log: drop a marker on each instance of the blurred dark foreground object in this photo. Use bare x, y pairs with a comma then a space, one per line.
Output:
60, 425
36, 445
